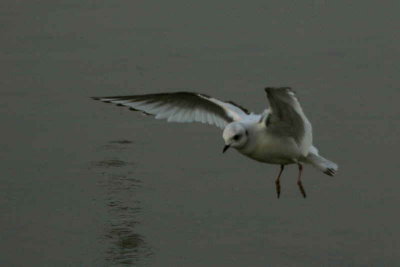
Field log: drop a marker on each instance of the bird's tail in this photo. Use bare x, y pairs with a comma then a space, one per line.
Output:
326, 166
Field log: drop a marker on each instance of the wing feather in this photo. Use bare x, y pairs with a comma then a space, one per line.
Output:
182, 107
286, 118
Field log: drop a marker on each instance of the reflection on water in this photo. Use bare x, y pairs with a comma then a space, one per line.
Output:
116, 145
110, 163
125, 245
122, 142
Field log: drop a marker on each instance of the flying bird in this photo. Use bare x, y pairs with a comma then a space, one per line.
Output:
280, 135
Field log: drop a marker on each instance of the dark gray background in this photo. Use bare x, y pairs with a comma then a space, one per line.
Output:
84, 183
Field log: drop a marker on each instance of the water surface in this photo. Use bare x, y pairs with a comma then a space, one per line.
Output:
84, 183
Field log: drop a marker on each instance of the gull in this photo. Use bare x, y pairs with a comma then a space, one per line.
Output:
280, 135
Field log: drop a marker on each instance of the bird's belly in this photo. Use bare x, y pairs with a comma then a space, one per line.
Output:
274, 151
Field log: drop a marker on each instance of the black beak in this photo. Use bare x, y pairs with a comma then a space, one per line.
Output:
225, 148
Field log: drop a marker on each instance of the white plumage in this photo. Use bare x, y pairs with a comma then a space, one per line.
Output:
280, 135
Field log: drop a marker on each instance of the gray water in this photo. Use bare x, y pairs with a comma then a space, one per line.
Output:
89, 184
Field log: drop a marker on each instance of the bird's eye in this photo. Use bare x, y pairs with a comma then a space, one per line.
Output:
236, 137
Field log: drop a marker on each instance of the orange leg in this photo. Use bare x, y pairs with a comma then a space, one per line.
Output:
277, 181
303, 192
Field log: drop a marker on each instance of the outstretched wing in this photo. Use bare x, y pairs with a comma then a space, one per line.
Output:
286, 117
182, 107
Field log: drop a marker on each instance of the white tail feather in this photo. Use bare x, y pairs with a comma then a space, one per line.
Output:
326, 166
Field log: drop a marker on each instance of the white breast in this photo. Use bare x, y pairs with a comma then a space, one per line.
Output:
270, 149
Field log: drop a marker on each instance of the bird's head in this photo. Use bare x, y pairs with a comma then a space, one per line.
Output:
235, 135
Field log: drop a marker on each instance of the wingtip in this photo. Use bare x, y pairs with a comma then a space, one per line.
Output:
269, 90
102, 99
